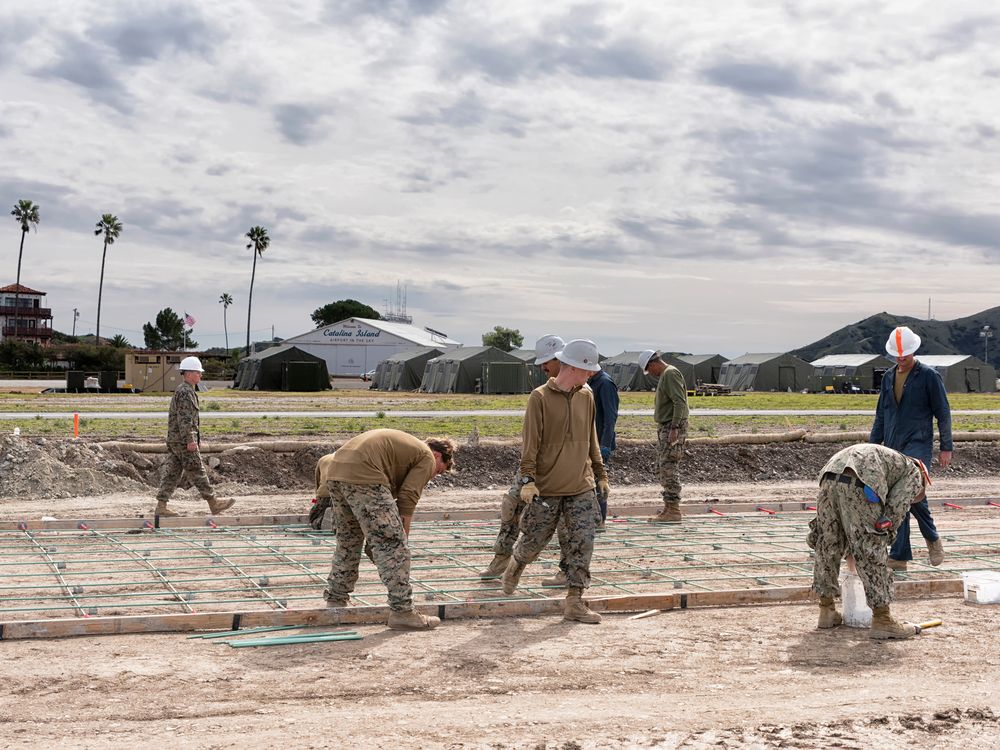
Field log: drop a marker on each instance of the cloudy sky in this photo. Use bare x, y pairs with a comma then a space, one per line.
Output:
701, 176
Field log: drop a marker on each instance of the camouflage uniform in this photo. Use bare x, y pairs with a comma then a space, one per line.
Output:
845, 518
576, 516
509, 529
370, 511
668, 458
183, 424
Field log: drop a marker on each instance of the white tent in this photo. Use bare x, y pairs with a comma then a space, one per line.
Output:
355, 346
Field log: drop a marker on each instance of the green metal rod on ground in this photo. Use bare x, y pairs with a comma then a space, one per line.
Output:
290, 641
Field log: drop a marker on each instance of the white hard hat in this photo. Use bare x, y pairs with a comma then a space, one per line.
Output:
190, 364
546, 348
644, 356
902, 342
580, 353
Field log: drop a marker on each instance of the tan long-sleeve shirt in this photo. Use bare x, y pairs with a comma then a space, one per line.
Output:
559, 441
390, 458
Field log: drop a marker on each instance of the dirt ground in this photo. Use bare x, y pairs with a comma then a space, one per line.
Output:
742, 677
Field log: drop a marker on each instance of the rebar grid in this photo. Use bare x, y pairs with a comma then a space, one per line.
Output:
49, 573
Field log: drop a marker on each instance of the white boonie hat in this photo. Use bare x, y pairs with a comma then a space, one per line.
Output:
644, 356
580, 353
546, 348
902, 342
190, 364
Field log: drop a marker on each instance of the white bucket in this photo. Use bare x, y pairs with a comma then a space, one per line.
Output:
857, 613
981, 586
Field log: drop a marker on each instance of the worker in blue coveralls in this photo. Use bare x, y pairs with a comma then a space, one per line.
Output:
911, 398
606, 403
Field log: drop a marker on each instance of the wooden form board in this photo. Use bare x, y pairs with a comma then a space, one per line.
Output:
178, 623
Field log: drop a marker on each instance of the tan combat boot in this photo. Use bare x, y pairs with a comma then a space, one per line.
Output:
829, 617
897, 564
217, 506
410, 620
884, 626
576, 609
512, 575
671, 513
496, 568
163, 511
559, 579
337, 602
936, 552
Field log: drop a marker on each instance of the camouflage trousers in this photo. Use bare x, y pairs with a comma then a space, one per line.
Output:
845, 523
181, 461
504, 545
668, 459
578, 514
361, 511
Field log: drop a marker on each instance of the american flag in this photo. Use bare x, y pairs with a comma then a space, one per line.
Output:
189, 319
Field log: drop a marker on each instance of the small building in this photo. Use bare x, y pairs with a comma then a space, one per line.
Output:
403, 370
355, 346
282, 368
153, 371
962, 373
22, 307
701, 368
475, 369
848, 373
766, 372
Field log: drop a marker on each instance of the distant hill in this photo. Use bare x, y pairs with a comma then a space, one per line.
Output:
868, 336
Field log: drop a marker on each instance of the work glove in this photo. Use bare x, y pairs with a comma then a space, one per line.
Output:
603, 490
508, 507
529, 492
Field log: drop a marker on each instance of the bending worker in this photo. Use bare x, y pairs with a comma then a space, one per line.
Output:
866, 491
560, 460
374, 482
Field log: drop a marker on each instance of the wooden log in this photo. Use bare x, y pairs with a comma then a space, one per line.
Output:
751, 439
837, 437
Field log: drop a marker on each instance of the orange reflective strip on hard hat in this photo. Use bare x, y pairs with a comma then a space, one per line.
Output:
899, 341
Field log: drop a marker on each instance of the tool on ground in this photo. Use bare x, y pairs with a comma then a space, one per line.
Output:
928, 624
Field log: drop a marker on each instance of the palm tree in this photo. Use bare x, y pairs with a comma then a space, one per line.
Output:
225, 300
26, 214
110, 227
119, 342
259, 241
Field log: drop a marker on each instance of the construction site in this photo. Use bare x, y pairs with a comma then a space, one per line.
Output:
202, 631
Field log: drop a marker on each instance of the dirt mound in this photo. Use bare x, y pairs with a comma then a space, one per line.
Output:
39, 468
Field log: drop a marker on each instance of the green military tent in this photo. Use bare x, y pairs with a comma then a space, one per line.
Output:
962, 373
766, 372
475, 369
700, 368
848, 373
403, 370
282, 368
623, 369
535, 375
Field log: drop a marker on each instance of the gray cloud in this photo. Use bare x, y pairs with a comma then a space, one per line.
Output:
154, 31
87, 65
467, 111
301, 124
762, 79
577, 43
400, 12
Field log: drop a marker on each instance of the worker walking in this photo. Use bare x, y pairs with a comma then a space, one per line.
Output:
560, 461
511, 505
670, 412
912, 396
865, 492
183, 442
374, 482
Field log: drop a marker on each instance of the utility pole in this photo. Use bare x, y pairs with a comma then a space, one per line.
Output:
986, 334
76, 314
